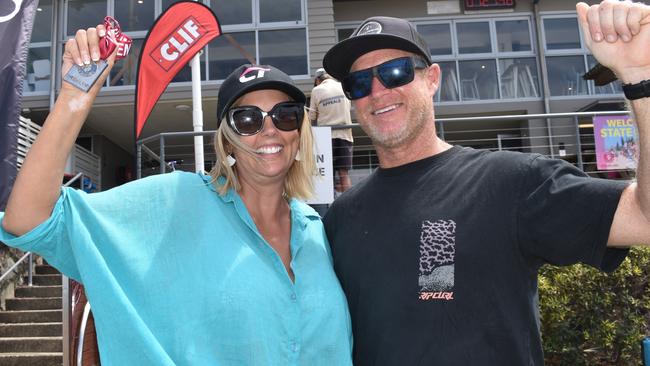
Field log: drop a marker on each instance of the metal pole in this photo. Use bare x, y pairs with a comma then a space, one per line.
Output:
578, 144
82, 334
544, 75
65, 294
54, 53
138, 162
197, 112
162, 155
29, 271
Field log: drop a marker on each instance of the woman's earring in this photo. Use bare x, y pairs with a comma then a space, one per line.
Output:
297, 155
230, 160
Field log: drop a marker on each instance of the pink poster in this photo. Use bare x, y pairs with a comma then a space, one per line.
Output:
616, 142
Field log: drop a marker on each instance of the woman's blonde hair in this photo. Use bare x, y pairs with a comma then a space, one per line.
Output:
297, 184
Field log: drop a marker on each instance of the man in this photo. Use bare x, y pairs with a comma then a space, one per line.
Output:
330, 107
438, 250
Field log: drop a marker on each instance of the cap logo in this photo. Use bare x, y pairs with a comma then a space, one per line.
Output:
254, 71
370, 28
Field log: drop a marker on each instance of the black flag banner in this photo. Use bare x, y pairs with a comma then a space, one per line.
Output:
16, 22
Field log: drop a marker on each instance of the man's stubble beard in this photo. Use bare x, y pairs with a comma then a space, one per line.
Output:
417, 118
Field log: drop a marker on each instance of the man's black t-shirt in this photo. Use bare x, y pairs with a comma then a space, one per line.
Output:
439, 257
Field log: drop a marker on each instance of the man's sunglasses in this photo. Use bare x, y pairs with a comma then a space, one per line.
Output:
391, 74
249, 120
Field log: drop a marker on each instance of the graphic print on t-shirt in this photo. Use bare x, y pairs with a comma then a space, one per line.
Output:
437, 254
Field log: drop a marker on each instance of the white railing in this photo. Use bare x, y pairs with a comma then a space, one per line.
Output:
27, 132
83, 161
29, 258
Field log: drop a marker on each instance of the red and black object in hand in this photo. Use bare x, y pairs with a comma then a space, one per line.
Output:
84, 77
113, 39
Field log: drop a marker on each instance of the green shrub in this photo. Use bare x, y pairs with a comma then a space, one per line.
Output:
594, 318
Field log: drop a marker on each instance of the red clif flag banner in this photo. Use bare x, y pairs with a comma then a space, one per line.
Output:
16, 22
178, 34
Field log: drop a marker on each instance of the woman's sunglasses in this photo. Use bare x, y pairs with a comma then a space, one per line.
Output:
249, 120
391, 74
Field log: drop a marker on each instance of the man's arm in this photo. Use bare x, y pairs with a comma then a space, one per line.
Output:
618, 35
38, 183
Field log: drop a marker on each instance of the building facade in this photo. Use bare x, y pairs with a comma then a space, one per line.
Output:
520, 57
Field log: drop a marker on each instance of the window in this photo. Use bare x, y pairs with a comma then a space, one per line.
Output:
37, 76
513, 36
614, 87
229, 51
343, 33
233, 12
478, 80
42, 30
448, 89
134, 15
124, 72
474, 37
438, 38
264, 31
561, 33
286, 49
483, 59
267, 31
167, 3
567, 59
519, 78
565, 75
280, 10
82, 14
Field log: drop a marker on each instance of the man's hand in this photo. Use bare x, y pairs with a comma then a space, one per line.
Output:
618, 35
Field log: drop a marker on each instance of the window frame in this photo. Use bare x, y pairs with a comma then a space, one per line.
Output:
493, 56
42, 44
582, 51
255, 26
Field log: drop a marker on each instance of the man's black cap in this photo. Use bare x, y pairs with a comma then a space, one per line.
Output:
373, 34
247, 78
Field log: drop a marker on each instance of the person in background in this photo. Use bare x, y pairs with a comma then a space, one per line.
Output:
330, 107
438, 250
191, 269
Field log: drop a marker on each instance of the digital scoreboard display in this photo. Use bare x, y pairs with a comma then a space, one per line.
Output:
488, 4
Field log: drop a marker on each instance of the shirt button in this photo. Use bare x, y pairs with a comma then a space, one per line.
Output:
293, 347
293, 297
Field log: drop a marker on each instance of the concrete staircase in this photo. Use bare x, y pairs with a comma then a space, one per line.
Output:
31, 328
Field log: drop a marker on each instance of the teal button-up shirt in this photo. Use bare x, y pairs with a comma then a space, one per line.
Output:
178, 275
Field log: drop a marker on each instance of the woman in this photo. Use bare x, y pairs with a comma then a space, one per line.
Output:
189, 269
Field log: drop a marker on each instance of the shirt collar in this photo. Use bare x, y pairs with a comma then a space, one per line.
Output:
303, 212
213, 183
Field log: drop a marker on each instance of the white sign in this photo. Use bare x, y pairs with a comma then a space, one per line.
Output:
443, 7
323, 181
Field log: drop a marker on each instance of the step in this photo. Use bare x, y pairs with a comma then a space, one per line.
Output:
32, 359
31, 329
31, 344
38, 291
45, 269
46, 280
31, 316
35, 303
